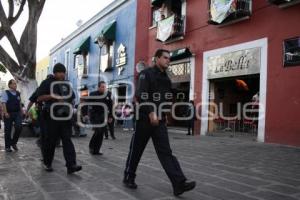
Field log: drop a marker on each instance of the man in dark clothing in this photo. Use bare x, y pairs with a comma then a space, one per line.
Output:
191, 114
110, 126
57, 96
98, 114
12, 112
154, 87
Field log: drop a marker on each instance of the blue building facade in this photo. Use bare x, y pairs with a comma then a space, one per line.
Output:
103, 48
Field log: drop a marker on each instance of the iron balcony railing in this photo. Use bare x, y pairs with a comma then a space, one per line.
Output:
178, 28
243, 9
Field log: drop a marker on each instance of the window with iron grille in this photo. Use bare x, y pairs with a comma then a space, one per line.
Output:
229, 11
169, 17
179, 72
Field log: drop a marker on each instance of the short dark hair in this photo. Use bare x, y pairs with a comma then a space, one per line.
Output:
10, 82
58, 67
159, 52
101, 82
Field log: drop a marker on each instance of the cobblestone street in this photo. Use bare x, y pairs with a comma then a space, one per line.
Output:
224, 168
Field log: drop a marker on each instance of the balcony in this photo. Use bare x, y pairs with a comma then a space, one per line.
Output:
239, 11
170, 29
284, 3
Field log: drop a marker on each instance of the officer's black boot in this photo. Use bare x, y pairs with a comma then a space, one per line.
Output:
48, 168
184, 187
129, 182
74, 168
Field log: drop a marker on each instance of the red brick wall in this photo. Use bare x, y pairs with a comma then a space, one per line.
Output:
283, 94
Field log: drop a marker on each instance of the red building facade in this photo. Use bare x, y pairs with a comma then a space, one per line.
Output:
254, 42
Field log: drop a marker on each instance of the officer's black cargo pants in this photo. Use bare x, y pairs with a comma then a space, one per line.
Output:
53, 131
160, 140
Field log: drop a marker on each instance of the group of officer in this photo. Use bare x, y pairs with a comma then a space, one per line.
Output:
56, 96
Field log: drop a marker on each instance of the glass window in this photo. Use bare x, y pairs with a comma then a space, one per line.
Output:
81, 64
107, 54
170, 19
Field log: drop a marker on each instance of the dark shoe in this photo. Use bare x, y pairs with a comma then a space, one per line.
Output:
97, 153
184, 187
8, 149
113, 138
106, 138
48, 168
14, 146
74, 168
130, 183
188, 134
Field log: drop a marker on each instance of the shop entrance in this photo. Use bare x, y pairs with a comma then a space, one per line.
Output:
242, 61
234, 106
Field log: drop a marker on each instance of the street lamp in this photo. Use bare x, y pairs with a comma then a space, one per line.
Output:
101, 41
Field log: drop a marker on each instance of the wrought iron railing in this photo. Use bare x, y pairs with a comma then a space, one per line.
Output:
279, 2
243, 9
284, 3
178, 28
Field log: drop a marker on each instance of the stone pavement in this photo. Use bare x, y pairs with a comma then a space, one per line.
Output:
224, 168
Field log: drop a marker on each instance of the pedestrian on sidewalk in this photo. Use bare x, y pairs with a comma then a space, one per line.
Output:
110, 125
191, 114
57, 97
1, 115
12, 113
98, 115
154, 82
127, 117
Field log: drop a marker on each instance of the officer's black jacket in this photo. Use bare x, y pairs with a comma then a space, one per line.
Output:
61, 89
154, 86
98, 110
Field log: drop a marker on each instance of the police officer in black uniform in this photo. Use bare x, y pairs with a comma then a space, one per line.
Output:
57, 90
154, 86
98, 113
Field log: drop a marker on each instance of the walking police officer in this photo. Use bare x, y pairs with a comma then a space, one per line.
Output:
12, 112
98, 113
57, 95
154, 87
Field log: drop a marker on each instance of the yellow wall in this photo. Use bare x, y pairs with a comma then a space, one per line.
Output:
42, 69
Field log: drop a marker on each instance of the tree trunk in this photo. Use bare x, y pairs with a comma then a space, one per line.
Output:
26, 89
23, 68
